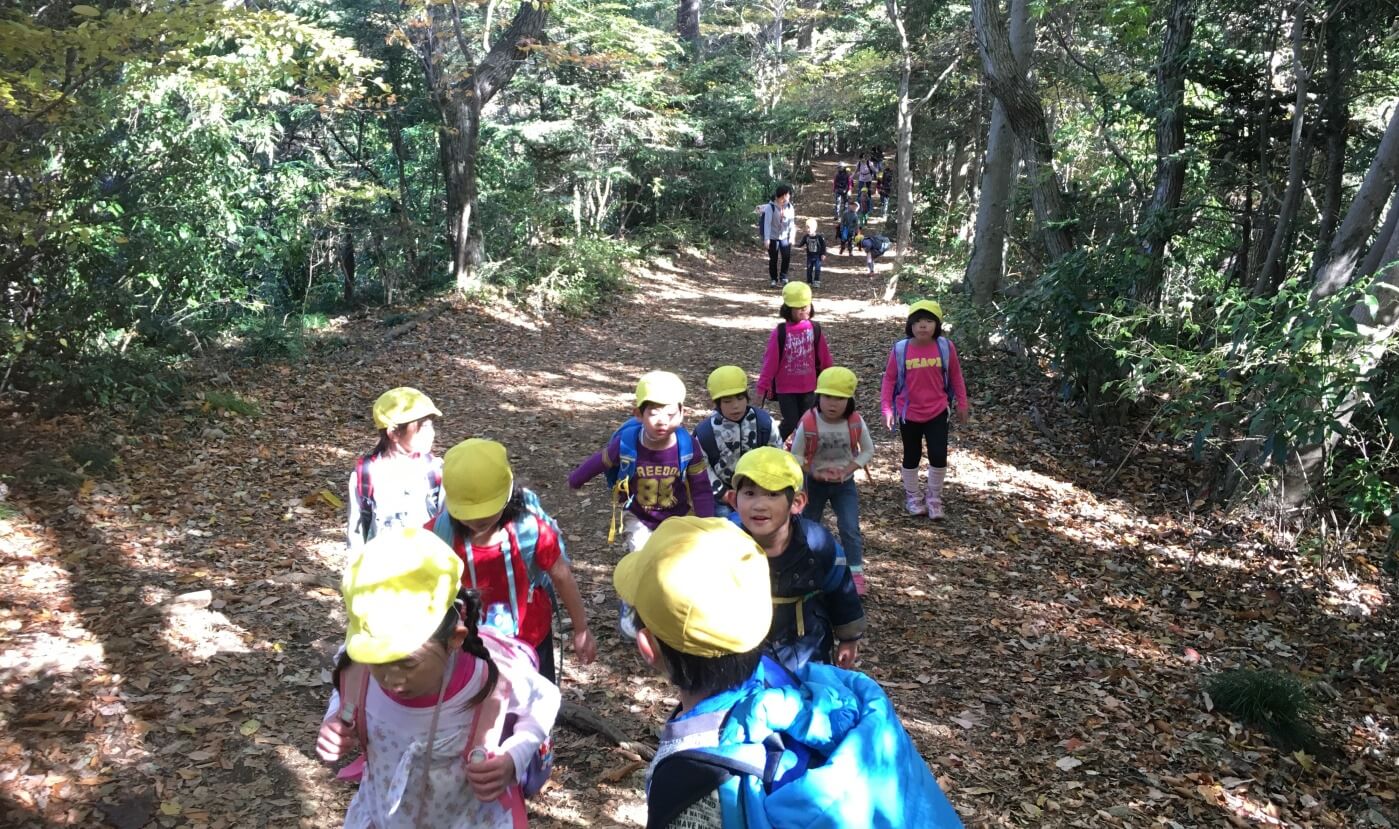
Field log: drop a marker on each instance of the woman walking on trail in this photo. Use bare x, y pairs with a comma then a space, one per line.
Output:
778, 224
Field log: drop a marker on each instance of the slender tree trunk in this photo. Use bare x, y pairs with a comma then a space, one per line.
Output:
1350, 241
1335, 117
1159, 216
986, 267
1275, 265
687, 23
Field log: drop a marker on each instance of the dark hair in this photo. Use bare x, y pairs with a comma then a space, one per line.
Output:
467, 609
707, 675
919, 316
743, 394
739, 480
513, 509
782, 190
786, 312
383, 445
849, 408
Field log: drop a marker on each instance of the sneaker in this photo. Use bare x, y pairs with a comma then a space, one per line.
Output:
913, 504
859, 579
784, 280
625, 622
816, 284
773, 283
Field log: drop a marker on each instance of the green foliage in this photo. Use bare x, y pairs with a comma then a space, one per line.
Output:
1269, 700
217, 401
95, 458
584, 276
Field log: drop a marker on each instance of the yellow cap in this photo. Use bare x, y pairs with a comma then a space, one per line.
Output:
727, 381
859, 237
796, 295
660, 387
926, 305
771, 468
701, 585
397, 590
476, 479
396, 407
836, 381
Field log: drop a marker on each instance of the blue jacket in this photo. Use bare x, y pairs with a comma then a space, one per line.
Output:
824, 748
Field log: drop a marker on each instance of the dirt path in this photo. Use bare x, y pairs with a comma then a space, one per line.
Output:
1044, 645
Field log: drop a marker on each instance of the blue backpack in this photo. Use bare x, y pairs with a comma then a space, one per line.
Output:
900, 352
619, 477
704, 433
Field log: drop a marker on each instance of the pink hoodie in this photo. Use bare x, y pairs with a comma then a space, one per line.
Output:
803, 357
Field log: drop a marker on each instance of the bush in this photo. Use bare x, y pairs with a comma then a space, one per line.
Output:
583, 276
218, 401
1268, 700
139, 378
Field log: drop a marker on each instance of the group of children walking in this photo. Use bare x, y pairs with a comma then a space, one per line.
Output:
447, 678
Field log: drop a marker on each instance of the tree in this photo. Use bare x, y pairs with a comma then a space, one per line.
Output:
687, 23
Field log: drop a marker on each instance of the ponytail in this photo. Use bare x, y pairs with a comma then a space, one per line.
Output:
468, 605
382, 446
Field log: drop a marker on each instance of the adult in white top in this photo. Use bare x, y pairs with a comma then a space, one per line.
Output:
778, 225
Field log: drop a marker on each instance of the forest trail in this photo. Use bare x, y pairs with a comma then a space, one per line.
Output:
1044, 644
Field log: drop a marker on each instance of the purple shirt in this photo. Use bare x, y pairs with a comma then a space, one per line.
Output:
659, 490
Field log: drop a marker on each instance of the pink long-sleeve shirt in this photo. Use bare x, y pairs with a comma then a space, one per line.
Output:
803, 357
924, 391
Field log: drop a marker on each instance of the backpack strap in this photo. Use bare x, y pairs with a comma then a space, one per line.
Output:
813, 440
621, 475
781, 349
704, 434
364, 492
816, 344
857, 428
764, 425
945, 354
354, 690
901, 380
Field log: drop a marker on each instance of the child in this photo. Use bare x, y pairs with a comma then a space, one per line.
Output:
865, 205
841, 187
849, 228
399, 483
842, 760
920, 380
832, 442
777, 223
809, 571
874, 247
734, 428
512, 549
886, 188
652, 466
432, 697
815, 245
796, 353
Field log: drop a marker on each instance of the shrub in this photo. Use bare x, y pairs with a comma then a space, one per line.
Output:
1269, 700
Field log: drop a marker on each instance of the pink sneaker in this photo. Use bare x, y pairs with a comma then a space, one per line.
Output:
859, 579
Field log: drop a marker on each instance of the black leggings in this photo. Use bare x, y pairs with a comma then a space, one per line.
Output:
793, 406
545, 652
776, 247
934, 432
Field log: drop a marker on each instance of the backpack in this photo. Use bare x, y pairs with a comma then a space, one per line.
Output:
842, 181
782, 348
878, 245
704, 433
944, 354
809, 427
619, 477
364, 490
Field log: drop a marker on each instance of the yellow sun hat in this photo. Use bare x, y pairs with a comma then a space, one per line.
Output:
397, 590
727, 381
476, 479
796, 295
926, 305
837, 381
661, 388
701, 585
771, 468
404, 404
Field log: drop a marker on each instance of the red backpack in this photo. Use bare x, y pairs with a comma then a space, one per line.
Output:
808, 425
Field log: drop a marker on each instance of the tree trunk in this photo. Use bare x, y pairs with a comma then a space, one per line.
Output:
687, 23
1025, 113
986, 267
1335, 117
1275, 264
345, 253
904, 131
1338, 269
1159, 216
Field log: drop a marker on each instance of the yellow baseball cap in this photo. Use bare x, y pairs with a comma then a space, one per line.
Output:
701, 585
476, 479
926, 305
796, 295
660, 387
397, 590
837, 381
396, 407
727, 381
771, 468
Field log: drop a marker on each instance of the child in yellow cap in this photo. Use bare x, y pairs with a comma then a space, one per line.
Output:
817, 614
734, 428
843, 759
832, 442
512, 548
796, 353
399, 483
921, 379
426, 696
652, 466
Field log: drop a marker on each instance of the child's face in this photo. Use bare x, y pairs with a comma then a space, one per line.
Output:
414, 438
419, 673
832, 408
764, 512
923, 329
801, 314
660, 422
733, 407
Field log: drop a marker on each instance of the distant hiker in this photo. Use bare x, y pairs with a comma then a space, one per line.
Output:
864, 175
652, 467
841, 187
874, 247
777, 223
865, 205
750, 743
513, 550
877, 156
399, 483
849, 227
815, 246
796, 353
735, 428
886, 188
450, 716
833, 442
921, 379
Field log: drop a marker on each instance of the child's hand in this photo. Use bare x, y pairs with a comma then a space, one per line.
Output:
889, 421
964, 415
846, 652
335, 740
490, 777
583, 646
